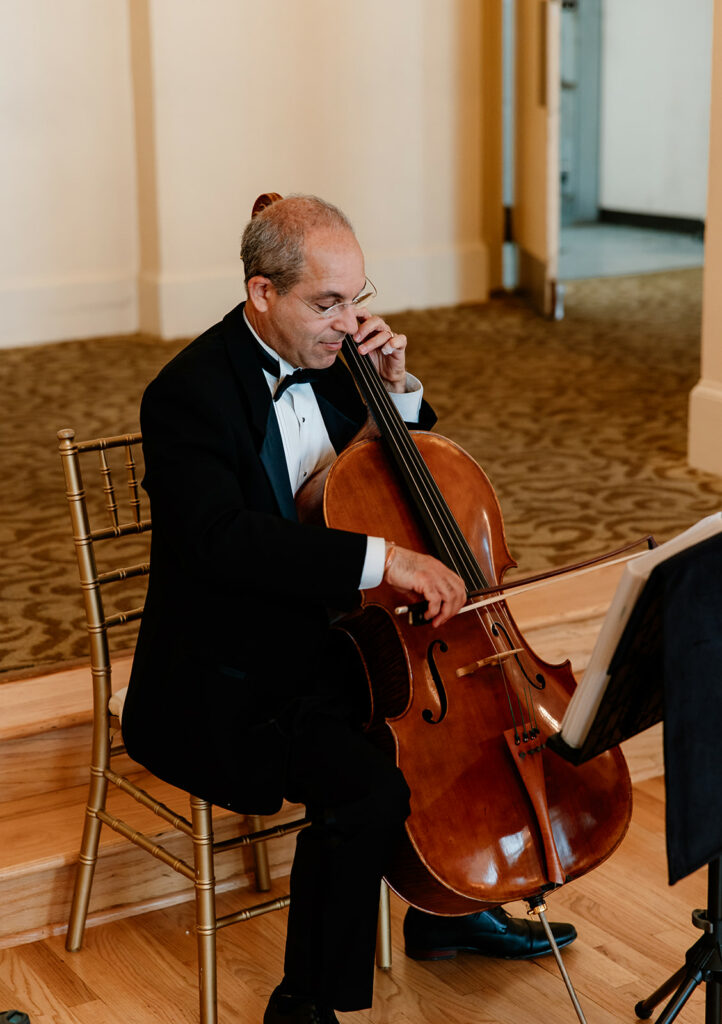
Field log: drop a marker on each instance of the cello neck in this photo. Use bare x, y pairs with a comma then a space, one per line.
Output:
443, 533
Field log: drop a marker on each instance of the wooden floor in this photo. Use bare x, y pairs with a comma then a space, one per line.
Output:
633, 931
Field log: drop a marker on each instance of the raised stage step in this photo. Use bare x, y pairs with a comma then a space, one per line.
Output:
45, 737
41, 836
45, 730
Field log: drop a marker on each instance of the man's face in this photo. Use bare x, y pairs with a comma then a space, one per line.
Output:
333, 272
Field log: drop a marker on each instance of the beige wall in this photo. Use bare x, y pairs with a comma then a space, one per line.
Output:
68, 258
705, 413
378, 108
655, 81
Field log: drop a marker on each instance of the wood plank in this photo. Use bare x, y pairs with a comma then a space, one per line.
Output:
52, 701
46, 762
45, 832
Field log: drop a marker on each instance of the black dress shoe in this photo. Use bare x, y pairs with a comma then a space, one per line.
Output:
490, 933
283, 1009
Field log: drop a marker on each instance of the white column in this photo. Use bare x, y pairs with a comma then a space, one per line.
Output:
705, 406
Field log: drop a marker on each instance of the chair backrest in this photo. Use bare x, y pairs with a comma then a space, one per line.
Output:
103, 513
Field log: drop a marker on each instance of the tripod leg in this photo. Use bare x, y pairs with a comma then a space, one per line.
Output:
679, 998
703, 962
644, 1007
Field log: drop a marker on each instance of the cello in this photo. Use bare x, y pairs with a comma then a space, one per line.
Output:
465, 709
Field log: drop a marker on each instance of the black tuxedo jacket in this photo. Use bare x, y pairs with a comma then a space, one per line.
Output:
235, 629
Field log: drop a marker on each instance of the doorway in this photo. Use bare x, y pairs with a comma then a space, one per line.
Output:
631, 87
634, 103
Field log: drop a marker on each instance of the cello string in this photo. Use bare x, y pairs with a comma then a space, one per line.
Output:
423, 484
511, 707
425, 488
384, 409
508, 664
442, 523
394, 422
427, 493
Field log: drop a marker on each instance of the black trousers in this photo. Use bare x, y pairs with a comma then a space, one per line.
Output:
357, 800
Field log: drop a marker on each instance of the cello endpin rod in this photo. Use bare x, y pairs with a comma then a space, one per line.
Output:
560, 964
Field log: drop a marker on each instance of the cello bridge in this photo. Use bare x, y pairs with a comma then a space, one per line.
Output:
493, 659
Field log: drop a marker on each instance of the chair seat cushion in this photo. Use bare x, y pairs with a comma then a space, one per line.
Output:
116, 702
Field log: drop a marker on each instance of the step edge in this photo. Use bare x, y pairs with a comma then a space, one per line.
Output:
124, 910
112, 842
26, 700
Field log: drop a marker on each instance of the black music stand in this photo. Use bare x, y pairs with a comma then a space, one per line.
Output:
668, 665
703, 962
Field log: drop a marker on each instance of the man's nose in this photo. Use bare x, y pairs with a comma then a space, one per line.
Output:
345, 320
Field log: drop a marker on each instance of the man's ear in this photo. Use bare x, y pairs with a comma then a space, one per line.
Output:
259, 289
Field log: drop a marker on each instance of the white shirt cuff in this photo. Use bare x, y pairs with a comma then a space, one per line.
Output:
373, 568
409, 402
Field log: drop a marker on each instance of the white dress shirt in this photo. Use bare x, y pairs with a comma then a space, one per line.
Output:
308, 447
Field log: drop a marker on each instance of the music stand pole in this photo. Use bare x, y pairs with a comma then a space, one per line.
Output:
703, 961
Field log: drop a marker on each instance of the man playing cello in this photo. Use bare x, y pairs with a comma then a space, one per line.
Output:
235, 656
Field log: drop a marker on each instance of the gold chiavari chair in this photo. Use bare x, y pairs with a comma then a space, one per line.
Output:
107, 739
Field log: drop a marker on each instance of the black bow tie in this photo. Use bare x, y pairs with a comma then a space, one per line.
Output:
297, 377
273, 367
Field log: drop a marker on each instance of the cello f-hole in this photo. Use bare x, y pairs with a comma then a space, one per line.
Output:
427, 714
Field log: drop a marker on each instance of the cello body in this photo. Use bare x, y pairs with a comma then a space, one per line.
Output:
495, 816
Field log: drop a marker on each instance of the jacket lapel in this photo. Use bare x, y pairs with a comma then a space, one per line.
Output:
335, 391
273, 458
262, 419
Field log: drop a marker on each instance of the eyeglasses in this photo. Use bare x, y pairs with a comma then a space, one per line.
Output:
367, 292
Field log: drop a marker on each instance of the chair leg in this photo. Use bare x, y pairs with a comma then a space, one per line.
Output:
260, 857
86, 860
383, 933
205, 909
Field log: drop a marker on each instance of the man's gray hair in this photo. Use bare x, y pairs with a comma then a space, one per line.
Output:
272, 244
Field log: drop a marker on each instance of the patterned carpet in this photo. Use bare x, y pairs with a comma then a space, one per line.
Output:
581, 426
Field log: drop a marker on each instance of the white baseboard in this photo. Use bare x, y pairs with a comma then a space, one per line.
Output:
35, 312
183, 305
705, 427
